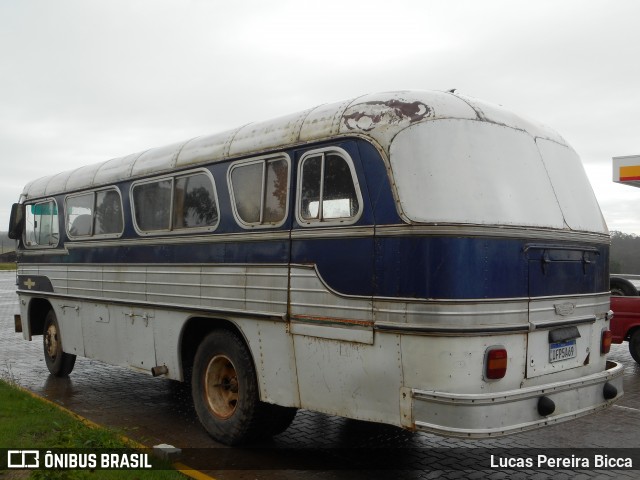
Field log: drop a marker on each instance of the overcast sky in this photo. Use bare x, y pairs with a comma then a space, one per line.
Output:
82, 81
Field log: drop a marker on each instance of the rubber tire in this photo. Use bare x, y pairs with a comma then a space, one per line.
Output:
61, 363
634, 346
249, 418
622, 287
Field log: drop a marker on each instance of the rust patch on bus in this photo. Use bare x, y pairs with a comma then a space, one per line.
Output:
334, 320
392, 112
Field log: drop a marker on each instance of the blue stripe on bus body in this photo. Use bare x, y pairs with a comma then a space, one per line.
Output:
458, 268
394, 267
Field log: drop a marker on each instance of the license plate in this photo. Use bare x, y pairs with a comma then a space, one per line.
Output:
562, 351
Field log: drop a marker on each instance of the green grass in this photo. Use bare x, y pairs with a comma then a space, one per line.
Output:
7, 266
27, 422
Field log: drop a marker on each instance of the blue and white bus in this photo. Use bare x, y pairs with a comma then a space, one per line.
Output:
421, 259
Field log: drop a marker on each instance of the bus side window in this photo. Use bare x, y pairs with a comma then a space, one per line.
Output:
108, 213
178, 203
259, 191
194, 202
246, 183
41, 224
79, 214
94, 213
152, 205
328, 190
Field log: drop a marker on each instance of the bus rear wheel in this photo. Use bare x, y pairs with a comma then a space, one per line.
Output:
58, 362
225, 389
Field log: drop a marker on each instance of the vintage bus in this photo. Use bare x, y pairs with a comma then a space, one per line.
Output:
421, 259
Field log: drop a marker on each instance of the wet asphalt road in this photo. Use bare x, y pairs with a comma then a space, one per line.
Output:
155, 410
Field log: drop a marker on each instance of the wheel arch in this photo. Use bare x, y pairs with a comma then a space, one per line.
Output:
270, 347
195, 330
37, 312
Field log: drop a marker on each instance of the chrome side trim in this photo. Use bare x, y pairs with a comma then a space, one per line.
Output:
333, 232
44, 251
253, 236
575, 321
176, 240
390, 327
498, 231
575, 295
161, 306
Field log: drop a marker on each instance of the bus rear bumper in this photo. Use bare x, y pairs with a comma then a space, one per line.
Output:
504, 413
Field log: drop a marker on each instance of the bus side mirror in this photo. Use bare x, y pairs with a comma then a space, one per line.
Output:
16, 222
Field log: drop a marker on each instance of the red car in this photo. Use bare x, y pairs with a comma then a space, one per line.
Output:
625, 324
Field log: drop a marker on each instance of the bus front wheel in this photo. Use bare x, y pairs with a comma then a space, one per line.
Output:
225, 389
58, 362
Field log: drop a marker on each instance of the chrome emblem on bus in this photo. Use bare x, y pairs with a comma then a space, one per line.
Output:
564, 309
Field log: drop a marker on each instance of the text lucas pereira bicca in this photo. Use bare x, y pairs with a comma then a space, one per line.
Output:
573, 461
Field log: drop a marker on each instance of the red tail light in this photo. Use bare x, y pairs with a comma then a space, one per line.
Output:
605, 344
495, 363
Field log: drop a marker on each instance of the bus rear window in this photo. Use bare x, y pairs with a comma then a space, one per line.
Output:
475, 172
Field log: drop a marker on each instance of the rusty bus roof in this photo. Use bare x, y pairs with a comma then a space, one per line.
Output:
379, 117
